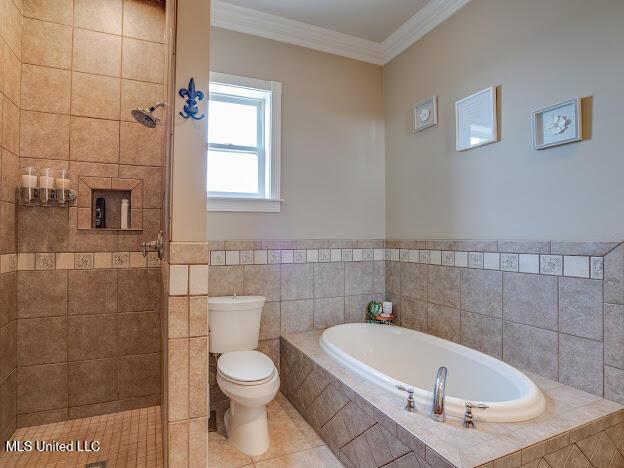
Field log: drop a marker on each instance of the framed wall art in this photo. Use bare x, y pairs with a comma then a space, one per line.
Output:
425, 114
475, 120
557, 124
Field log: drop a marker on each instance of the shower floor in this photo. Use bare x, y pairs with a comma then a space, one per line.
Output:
128, 439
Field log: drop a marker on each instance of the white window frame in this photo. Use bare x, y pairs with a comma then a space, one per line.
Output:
270, 153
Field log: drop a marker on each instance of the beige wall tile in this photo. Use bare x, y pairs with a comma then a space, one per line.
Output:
198, 377
198, 442
98, 15
103, 260
137, 260
178, 317
44, 135
7, 228
92, 337
47, 44
10, 126
84, 299
143, 61
57, 11
139, 375
12, 76
144, 20
95, 96
140, 94
139, 290
94, 140
140, 145
92, 381
56, 84
96, 52
178, 379
179, 444
42, 388
152, 183
139, 333
9, 176
42, 293
64, 261
8, 347
12, 27
198, 316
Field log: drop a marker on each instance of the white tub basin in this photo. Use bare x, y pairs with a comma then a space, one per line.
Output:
389, 356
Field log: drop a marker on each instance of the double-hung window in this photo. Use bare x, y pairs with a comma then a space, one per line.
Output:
243, 144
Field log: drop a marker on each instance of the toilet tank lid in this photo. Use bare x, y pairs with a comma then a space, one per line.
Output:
235, 302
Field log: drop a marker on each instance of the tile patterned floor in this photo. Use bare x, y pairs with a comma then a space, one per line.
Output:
128, 439
294, 444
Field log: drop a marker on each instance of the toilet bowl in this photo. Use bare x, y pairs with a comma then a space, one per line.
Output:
246, 376
250, 380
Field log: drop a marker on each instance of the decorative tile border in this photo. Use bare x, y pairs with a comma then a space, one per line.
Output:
577, 266
77, 261
264, 257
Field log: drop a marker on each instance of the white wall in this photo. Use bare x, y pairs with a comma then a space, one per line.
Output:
332, 142
539, 52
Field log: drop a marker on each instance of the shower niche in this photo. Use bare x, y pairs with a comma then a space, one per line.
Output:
110, 204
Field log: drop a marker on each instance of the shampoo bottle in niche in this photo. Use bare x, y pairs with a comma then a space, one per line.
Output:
125, 214
100, 213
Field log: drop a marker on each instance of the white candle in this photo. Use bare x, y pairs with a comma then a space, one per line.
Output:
29, 181
46, 182
63, 184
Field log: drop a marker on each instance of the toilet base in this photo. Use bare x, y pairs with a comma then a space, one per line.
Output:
247, 428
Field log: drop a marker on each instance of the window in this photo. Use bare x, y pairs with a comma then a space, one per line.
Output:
243, 144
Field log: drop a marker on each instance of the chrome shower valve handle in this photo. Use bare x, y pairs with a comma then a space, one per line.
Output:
410, 406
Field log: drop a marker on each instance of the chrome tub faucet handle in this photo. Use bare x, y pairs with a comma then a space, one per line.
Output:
410, 406
469, 417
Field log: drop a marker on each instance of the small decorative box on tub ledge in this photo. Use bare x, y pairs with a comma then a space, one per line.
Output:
363, 425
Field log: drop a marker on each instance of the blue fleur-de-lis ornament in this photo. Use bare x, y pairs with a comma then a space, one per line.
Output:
192, 96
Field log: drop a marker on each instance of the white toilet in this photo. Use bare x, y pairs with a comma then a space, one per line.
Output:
246, 376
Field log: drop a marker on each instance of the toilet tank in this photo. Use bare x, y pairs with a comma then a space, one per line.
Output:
234, 322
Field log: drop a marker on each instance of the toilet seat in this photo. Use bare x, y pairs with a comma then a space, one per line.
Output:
246, 367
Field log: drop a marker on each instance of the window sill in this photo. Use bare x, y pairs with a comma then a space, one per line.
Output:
266, 205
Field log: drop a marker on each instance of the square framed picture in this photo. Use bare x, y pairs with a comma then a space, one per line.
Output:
425, 113
475, 120
557, 124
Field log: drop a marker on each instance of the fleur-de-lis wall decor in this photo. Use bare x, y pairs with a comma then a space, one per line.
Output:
192, 96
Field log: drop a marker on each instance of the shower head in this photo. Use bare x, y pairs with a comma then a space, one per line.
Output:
145, 116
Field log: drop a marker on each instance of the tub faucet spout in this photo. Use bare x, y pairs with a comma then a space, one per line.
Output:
437, 410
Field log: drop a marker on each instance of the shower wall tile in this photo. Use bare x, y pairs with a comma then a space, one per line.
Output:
96, 52
137, 94
10, 126
143, 20
8, 298
42, 388
94, 140
12, 27
8, 349
41, 341
57, 89
44, 135
138, 290
138, 333
99, 16
47, 44
84, 299
41, 294
10, 173
140, 145
95, 96
92, 382
139, 375
57, 11
92, 336
143, 61
12, 76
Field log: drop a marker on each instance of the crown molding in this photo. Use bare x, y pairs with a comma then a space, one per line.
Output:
427, 18
257, 23
248, 21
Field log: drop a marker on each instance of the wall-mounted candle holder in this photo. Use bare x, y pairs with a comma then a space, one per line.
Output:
46, 190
